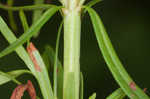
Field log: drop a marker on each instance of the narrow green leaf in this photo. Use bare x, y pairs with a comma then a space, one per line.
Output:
56, 58
81, 86
112, 60
23, 20
117, 94
37, 14
28, 34
6, 77
11, 16
27, 8
60, 73
49, 58
93, 96
91, 3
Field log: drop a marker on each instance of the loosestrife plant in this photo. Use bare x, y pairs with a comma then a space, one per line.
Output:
67, 77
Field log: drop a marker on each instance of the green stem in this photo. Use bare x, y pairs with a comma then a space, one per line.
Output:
72, 29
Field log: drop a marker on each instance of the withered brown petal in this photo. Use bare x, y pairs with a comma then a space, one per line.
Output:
18, 92
20, 89
31, 90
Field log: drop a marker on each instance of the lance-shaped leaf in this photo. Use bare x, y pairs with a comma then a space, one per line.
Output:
112, 60
32, 31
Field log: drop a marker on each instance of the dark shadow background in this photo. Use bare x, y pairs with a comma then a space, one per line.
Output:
128, 25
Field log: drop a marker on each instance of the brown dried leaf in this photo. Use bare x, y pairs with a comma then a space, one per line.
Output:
31, 90
20, 89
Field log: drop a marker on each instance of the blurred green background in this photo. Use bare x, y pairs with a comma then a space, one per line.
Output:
128, 26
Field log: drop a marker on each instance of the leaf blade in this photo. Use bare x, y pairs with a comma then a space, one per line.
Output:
112, 60
56, 58
28, 34
93, 96
117, 94
6, 77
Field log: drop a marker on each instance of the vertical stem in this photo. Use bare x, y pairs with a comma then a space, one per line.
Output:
72, 29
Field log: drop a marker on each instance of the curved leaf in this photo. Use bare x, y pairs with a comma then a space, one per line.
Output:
91, 3
112, 60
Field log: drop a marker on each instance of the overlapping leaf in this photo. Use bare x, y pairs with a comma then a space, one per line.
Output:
32, 31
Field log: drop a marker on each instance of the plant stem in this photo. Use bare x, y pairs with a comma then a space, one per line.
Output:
72, 29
